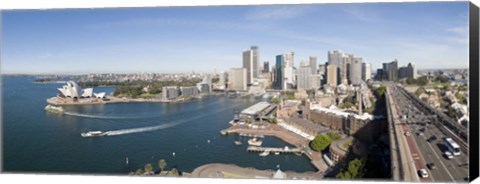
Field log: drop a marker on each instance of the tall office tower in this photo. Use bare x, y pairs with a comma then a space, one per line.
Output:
288, 70
356, 71
304, 77
222, 79
279, 78
237, 79
342, 61
288, 59
366, 71
265, 67
303, 63
313, 64
393, 70
411, 71
402, 72
332, 75
250, 63
321, 69
315, 81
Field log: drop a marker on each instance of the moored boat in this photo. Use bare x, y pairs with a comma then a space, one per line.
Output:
255, 142
264, 154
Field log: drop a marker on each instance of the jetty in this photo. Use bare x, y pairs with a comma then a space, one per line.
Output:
273, 150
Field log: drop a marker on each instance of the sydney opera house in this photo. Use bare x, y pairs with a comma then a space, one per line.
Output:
73, 90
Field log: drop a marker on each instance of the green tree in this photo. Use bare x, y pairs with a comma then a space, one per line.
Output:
162, 164
148, 168
321, 142
139, 172
334, 135
378, 92
275, 100
174, 172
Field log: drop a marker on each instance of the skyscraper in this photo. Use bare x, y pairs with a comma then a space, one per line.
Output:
356, 71
250, 63
288, 70
391, 70
266, 67
279, 64
304, 77
366, 71
332, 75
315, 81
313, 64
222, 79
412, 70
237, 79
342, 61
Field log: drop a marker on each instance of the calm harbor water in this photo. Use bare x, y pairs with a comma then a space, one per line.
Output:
41, 142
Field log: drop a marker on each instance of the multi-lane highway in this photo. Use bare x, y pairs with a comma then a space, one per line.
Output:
416, 142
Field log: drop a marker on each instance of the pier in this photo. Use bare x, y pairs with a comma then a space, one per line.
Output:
271, 149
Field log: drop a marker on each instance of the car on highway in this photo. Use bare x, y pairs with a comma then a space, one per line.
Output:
422, 130
407, 133
423, 173
448, 154
432, 138
419, 133
431, 166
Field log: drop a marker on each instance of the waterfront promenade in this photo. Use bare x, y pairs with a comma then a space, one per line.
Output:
217, 170
285, 135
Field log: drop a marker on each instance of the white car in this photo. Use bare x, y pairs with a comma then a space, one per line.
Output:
423, 173
448, 154
407, 133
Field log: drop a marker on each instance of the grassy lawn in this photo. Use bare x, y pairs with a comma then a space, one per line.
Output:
148, 95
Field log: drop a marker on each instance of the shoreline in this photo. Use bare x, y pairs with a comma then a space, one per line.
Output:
112, 99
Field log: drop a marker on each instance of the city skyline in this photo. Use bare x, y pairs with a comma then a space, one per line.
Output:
110, 40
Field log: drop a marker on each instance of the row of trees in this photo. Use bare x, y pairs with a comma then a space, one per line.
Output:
148, 169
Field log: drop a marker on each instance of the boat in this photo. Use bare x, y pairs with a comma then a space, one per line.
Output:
173, 153
238, 143
54, 109
208, 141
264, 154
94, 134
126, 160
277, 153
255, 142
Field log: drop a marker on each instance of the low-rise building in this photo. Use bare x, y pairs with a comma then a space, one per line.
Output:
170, 93
190, 91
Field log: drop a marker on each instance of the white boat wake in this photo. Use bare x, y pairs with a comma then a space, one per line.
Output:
105, 117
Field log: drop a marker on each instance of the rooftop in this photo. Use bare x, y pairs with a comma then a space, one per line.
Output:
339, 112
257, 108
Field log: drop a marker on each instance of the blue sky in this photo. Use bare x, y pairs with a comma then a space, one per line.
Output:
182, 39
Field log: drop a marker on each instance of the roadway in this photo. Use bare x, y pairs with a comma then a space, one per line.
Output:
424, 152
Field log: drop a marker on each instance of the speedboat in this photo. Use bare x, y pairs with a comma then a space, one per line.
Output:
93, 134
238, 143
